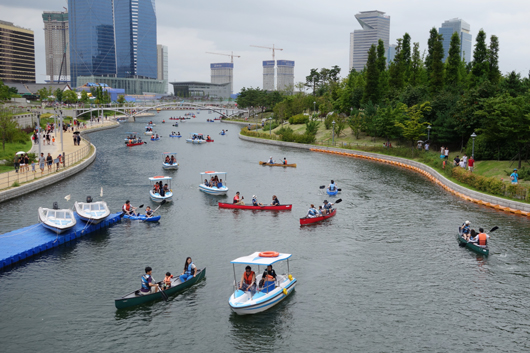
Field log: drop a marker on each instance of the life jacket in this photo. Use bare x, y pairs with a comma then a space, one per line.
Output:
285, 161
332, 187
465, 229
145, 283
189, 270
167, 279
312, 211
248, 279
327, 206
482, 239
236, 199
127, 207
254, 202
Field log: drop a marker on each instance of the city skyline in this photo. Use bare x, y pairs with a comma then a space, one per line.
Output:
313, 37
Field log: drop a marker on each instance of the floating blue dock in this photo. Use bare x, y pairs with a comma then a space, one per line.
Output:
26, 242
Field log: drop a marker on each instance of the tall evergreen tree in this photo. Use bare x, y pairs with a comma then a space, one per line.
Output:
381, 59
371, 92
480, 69
433, 37
452, 77
396, 68
436, 77
406, 56
415, 66
494, 74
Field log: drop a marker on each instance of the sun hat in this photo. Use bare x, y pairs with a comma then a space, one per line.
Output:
467, 222
253, 196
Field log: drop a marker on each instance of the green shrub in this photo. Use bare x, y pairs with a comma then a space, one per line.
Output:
298, 119
311, 127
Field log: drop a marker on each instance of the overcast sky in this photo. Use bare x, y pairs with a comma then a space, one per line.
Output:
313, 33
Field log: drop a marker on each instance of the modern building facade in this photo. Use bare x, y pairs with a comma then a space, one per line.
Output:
391, 53
223, 73
268, 75
463, 29
56, 46
375, 25
17, 55
135, 86
201, 89
162, 64
112, 38
285, 73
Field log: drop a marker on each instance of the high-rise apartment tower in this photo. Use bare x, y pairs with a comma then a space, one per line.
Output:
223, 73
162, 63
285, 73
56, 46
268, 75
375, 25
463, 29
17, 58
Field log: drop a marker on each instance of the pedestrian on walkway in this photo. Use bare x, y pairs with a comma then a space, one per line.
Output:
49, 160
57, 161
53, 141
41, 163
26, 162
470, 164
446, 153
16, 162
33, 166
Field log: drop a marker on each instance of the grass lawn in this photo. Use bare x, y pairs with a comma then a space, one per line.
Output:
12, 148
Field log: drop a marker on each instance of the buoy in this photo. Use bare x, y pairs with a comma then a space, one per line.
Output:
290, 277
285, 291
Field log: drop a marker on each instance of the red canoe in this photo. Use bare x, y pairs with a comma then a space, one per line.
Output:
135, 144
306, 220
263, 208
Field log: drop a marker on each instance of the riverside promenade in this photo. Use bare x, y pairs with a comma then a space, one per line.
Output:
76, 158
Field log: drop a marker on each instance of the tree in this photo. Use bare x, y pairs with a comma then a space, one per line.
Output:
8, 126
480, 60
453, 62
433, 38
406, 57
412, 129
313, 79
436, 77
355, 121
121, 99
44, 93
84, 96
69, 96
494, 74
371, 92
300, 86
387, 118
381, 59
397, 68
58, 95
4, 91
416, 66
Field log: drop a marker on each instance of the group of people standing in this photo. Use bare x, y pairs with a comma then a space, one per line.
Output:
149, 285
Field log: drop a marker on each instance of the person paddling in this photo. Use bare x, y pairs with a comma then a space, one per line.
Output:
327, 207
148, 283
332, 186
255, 201
465, 229
284, 161
275, 201
271, 161
128, 209
312, 212
482, 238
238, 200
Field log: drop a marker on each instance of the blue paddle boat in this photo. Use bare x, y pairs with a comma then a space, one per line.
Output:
332, 193
175, 135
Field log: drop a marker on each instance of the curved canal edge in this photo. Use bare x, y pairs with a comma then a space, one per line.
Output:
54, 178
513, 207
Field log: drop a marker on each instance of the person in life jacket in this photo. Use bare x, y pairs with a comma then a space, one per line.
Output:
268, 278
275, 201
167, 281
271, 161
190, 270
148, 283
128, 209
332, 186
327, 207
248, 280
312, 213
148, 212
238, 200
482, 238
255, 201
465, 229
284, 160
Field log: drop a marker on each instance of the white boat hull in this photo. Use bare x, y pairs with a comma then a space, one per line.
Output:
93, 212
148, 133
243, 303
170, 166
197, 142
57, 224
157, 198
213, 190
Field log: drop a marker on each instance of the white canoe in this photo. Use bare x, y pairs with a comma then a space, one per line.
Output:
196, 141
57, 220
93, 212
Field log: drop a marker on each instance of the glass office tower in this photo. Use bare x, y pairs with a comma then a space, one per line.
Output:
375, 25
463, 29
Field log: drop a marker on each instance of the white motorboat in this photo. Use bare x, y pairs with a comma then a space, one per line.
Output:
57, 220
157, 193
196, 138
213, 189
264, 295
92, 212
172, 163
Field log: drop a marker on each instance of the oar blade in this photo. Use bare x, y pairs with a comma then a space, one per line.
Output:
338, 201
494, 229
322, 186
142, 205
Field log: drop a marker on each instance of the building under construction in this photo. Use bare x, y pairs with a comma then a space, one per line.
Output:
223, 73
285, 73
56, 46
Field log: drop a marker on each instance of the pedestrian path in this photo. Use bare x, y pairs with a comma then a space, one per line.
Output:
73, 154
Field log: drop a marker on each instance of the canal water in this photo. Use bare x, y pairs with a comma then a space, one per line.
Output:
384, 275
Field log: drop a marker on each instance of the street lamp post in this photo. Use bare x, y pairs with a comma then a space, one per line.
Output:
270, 126
38, 132
473, 136
428, 132
333, 133
314, 109
62, 128
351, 111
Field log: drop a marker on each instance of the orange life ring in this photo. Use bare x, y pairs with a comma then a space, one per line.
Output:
269, 254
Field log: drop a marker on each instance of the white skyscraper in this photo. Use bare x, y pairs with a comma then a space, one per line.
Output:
285, 73
56, 45
223, 73
162, 64
268, 75
375, 25
463, 29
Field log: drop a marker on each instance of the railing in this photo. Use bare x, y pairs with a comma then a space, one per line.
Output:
13, 178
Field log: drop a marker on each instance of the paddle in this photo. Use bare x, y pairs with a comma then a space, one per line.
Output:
164, 295
323, 186
123, 212
161, 203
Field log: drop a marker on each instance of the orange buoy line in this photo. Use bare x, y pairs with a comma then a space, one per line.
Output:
429, 176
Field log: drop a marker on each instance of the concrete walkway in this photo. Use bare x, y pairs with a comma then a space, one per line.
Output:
72, 152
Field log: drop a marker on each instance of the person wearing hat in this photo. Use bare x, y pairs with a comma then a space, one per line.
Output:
465, 228
238, 200
270, 160
327, 207
514, 177
255, 201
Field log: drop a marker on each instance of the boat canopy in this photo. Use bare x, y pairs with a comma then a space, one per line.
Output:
157, 178
164, 153
131, 132
211, 172
255, 259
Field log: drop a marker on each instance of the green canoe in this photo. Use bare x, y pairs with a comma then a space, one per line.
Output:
472, 246
135, 298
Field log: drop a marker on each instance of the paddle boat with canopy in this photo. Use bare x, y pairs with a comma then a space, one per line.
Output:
213, 190
148, 130
196, 138
172, 164
158, 195
92, 212
270, 292
57, 220
131, 136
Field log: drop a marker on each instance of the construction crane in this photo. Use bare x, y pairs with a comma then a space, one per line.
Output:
273, 49
230, 55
